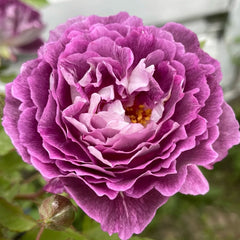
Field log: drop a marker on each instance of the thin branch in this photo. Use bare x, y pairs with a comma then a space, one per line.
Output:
30, 196
40, 232
31, 178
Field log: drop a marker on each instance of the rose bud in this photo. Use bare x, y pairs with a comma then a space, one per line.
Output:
57, 212
20, 29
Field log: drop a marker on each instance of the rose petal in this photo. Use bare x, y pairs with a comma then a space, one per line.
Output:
10, 122
27, 126
140, 77
195, 182
123, 215
183, 35
229, 132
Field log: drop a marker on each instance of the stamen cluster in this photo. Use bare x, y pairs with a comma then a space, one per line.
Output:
139, 114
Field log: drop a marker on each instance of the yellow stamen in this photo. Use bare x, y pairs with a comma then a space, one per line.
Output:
139, 114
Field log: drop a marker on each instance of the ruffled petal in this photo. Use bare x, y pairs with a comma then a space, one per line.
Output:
195, 182
229, 132
131, 215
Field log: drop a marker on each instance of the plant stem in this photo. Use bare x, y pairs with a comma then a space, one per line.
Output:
30, 196
31, 178
40, 232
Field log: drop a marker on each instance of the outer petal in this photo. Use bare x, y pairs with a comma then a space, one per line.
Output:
10, 121
27, 126
123, 215
183, 35
229, 132
195, 182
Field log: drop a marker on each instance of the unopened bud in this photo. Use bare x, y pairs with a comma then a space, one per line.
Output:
57, 212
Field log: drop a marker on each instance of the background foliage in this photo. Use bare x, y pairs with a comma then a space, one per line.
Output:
36, 3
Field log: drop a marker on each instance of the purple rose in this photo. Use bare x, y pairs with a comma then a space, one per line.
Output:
20, 27
120, 115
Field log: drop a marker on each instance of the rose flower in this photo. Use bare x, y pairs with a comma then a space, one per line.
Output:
120, 116
20, 27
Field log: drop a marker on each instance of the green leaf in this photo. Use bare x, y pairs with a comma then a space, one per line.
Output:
7, 189
140, 238
11, 178
36, 3
237, 40
93, 231
12, 217
6, 78
5, 143
2, 238
2, 98
202, 43
236, 60
68, 234
11, 162
5, 52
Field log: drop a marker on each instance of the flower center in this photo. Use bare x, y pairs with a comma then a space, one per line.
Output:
139, 114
